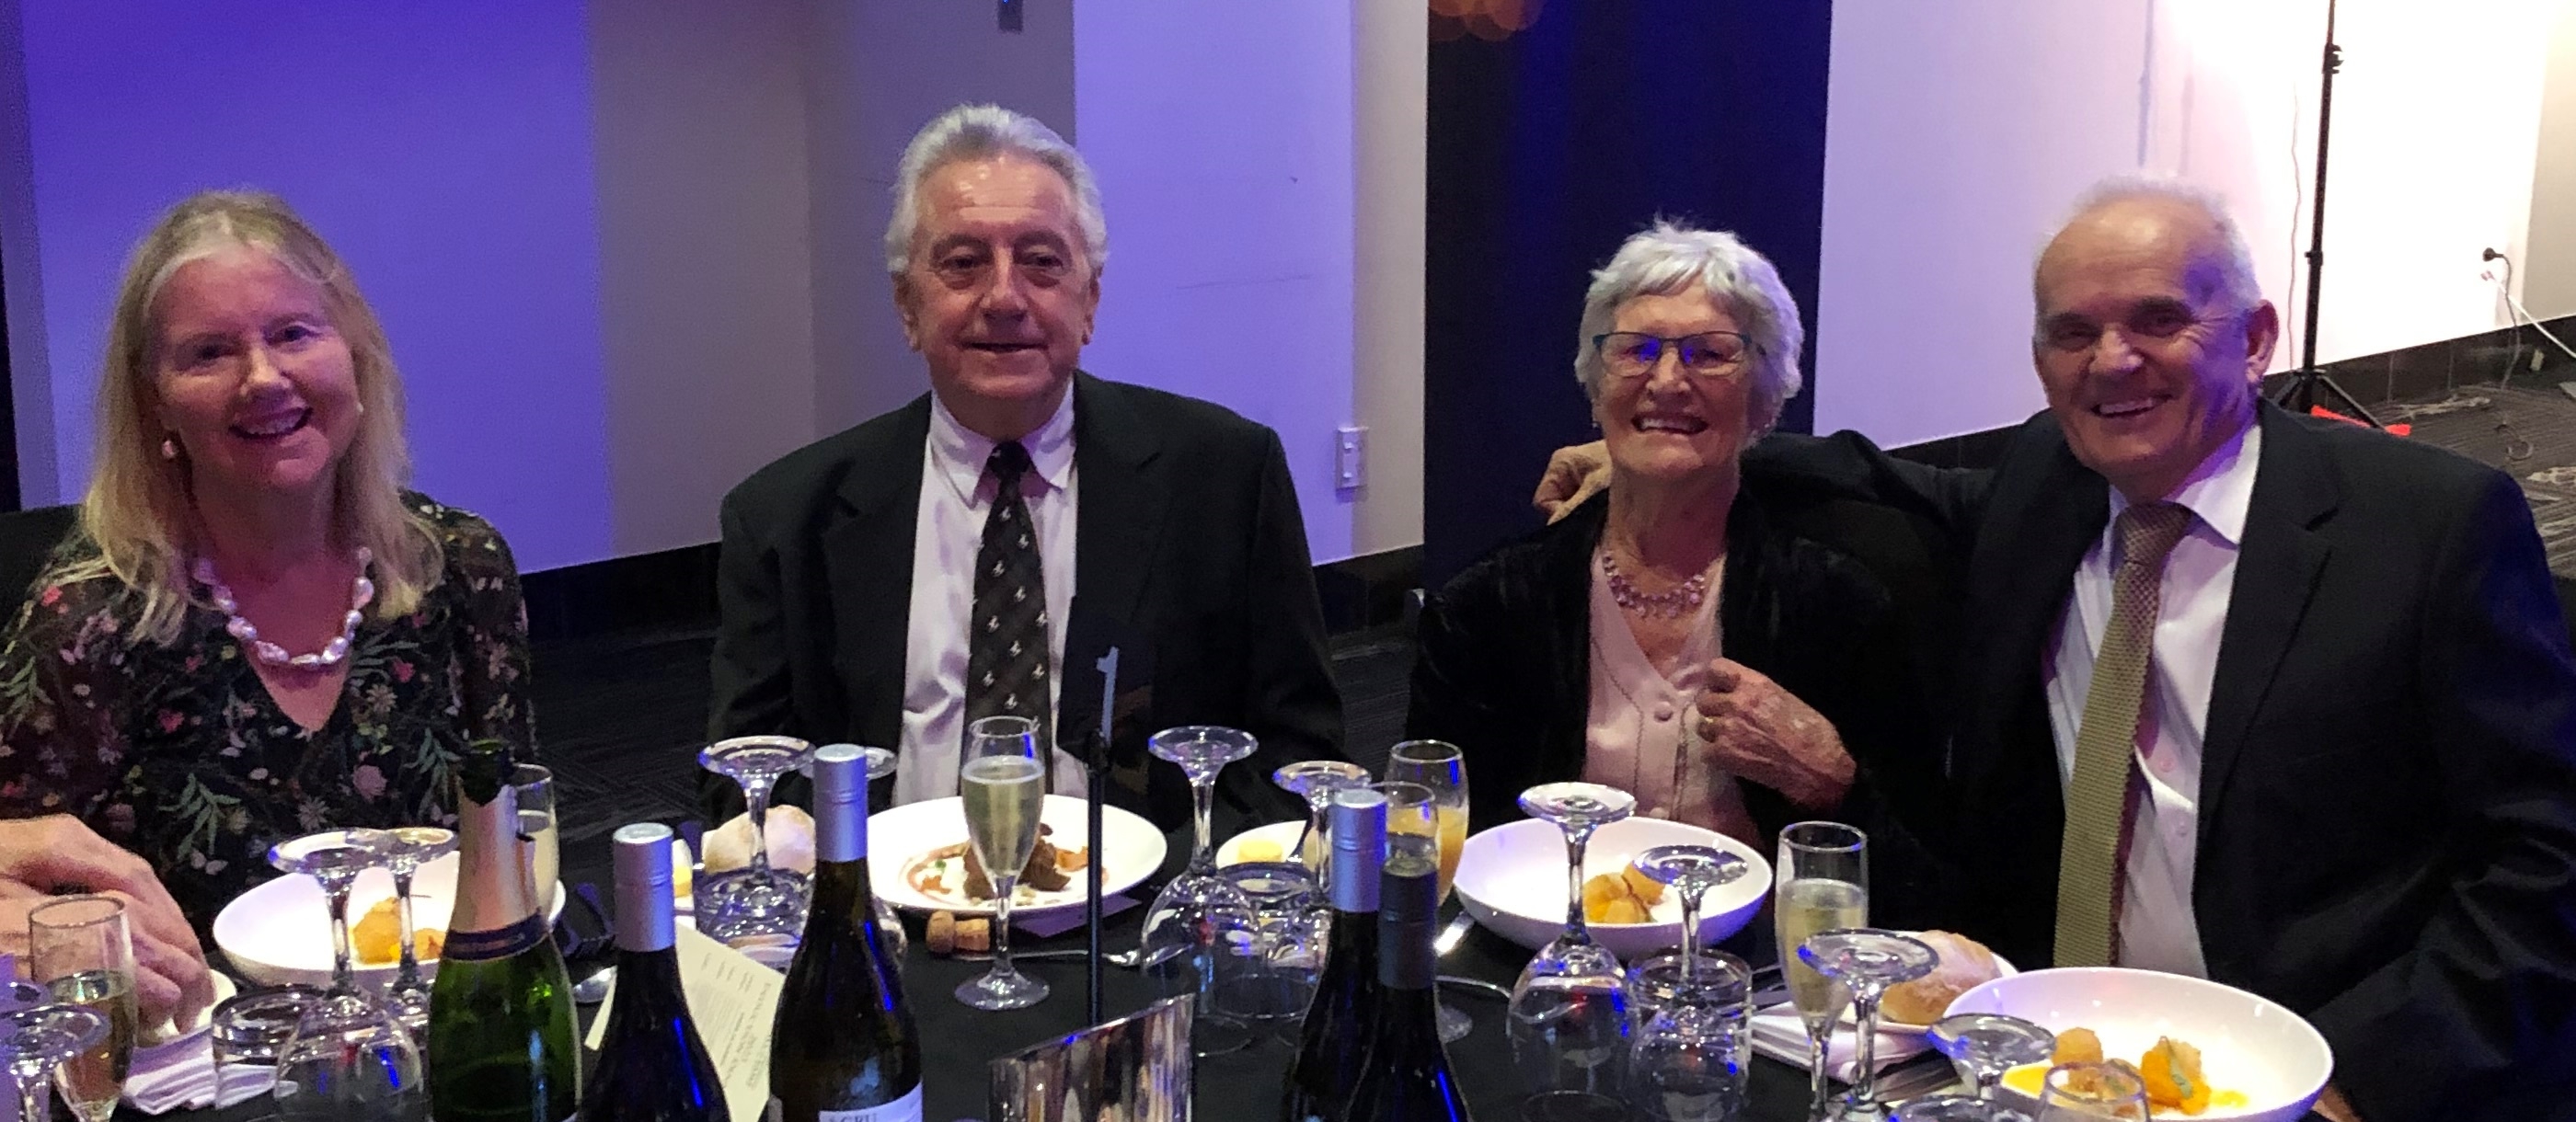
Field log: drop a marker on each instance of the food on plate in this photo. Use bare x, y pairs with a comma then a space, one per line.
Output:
1626, 896
376, 939
1965, 964
788, 830
1257, 849
2172, 1073
942, 933
2170, 1070
953, 869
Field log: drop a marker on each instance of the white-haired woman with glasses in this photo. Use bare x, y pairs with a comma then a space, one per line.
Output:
1578, 651
256, 631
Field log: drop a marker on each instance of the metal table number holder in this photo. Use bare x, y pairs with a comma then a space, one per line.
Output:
1134, 1069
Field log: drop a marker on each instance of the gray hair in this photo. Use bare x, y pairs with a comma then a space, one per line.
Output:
976, 132
2236, 279
1667, 259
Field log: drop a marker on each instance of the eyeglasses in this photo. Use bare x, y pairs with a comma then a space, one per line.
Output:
1709, 354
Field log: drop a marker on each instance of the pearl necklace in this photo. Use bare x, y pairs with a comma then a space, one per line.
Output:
361, 593
1671, 603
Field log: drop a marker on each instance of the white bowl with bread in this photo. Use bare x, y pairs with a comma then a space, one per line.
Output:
1512, 879
2254, 1060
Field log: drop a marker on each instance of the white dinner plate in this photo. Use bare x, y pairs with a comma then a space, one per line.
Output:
280, 932
899, 839
1280, 834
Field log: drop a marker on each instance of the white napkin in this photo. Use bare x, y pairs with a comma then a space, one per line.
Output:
1779, 1034
181, 1073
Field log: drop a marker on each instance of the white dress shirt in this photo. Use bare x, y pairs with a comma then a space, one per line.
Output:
2158, 930
956, 496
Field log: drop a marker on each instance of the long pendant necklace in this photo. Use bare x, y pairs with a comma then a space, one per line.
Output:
361, 593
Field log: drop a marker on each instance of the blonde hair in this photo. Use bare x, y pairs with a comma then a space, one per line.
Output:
140, 509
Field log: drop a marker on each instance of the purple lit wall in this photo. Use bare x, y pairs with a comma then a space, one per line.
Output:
445, 149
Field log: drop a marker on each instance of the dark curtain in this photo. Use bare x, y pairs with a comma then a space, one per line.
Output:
1548, 144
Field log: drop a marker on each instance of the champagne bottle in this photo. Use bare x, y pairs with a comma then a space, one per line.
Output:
652, 1066
501, 1043
1406, 1076
843, 1048
1334, 1040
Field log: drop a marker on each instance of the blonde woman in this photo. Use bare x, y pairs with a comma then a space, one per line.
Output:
256, 631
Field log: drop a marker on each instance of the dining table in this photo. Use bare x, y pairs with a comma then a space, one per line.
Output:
1240, 1086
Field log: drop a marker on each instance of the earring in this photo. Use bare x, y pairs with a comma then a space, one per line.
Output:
169, 449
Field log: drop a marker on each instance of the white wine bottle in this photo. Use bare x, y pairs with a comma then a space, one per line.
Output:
652, 1065
1332, 1045
844, 1048
501, 1043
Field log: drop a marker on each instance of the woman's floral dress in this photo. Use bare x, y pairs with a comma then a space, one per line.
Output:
179, 754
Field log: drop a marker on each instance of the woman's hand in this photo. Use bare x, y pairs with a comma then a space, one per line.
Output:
1573, 475
41, 858
1763, 733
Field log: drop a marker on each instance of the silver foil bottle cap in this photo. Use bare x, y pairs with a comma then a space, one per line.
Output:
840, 803
643, 865
1358, 822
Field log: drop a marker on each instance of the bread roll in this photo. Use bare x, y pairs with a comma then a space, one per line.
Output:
1965, 964
789, 830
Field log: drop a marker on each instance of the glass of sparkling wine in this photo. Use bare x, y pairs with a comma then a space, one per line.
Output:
84, 955
537, 823
1001, 776
1823, 885
36, 1040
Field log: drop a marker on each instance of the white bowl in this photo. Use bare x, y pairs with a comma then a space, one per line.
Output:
1512, 879
280, 932
2247, 1044
899, 837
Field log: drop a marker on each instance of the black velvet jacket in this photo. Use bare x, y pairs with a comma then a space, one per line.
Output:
1845, 597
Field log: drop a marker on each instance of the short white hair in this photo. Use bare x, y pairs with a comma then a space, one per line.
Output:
977, 132
1672, 257
2236, 280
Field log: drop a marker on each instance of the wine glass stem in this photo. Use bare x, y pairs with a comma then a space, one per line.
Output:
1202, 807
1003, 884
1321, 866
410, 975
1576, 838
32, 1103
1864, 1088
1987, 1078
756, 807
340, 976
1819, 1037
1690, 937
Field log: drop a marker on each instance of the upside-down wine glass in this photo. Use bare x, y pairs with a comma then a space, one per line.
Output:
334, 858
1315, 781
35, 1041
1821, 883
1686, 1063
1200, 918
755, 904
1956, 1108
2087, 1092
414, 846
1569, 1010
1986, 1045
1866, 961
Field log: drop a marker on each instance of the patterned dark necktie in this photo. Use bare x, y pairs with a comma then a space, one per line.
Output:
2106, 741
1006, 649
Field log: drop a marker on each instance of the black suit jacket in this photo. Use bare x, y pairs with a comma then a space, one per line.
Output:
1188, 536
2387, 806
1845, 599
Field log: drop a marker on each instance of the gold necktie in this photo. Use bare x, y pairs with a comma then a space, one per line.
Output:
2088, 863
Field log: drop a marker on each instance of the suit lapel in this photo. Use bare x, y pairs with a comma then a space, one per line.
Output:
2277, 566
1119, 519
2043, 520
867, 562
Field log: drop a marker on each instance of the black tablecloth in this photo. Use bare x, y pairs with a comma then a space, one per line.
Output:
1243, 1086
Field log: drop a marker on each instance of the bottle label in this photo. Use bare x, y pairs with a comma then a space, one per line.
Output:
484, 946
905, 1109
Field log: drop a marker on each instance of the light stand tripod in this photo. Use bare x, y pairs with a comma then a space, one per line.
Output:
2300, 392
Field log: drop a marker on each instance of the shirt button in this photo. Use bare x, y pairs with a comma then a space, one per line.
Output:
1663, 712
1655, 812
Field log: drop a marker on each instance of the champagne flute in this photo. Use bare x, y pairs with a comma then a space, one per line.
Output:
414, 846
2084, 1092
84, 955
1823, 885
1001, 776
1569, 1009
1867, 961
538, 824
35, 1041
